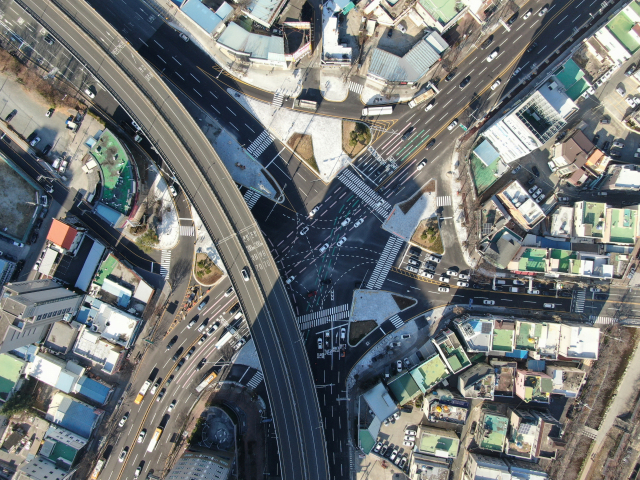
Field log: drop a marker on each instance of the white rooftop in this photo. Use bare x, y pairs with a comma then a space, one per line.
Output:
579, 342
54, 371
562, 222
113, 324
332, 50
523, 202
92, 346
629, 177
477, 334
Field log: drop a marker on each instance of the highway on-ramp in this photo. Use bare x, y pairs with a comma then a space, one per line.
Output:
240, 243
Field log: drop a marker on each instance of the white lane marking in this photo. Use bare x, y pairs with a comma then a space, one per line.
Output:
231, 111
143, 42
214, 95
159, 45
194, 77
179, 76
234, 126
177, 61
561, 32
161, 58
215, 109
197, 92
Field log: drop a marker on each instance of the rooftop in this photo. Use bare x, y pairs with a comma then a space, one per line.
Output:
429, 373
532, 260
542, 339
624, 177
533, 386
10, 370
264, 11
437, 442
476, 333
61, 234
446, 412
621, 26
403, 388
452, 352
567, 381
492, 432
579, 342
523, 434
503, 336
622, 225
78, 417
503, 247
380, 402
113, 324
590, 219
91, 346
263, 47
477, 382
562, 222
521, 206
505, 377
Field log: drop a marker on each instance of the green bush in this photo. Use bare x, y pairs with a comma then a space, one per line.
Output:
148, 240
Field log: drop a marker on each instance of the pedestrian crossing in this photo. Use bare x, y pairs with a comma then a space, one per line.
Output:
444, 201
251, 197
260, 144
397, 321
322, 317
255, 380
278, 99
385, 262
578, 306
356, 87
365, 192
602, 320
165, 263
187, 230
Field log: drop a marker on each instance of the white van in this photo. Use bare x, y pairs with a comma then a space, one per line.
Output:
549, 305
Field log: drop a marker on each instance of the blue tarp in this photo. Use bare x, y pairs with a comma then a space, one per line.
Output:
521, 354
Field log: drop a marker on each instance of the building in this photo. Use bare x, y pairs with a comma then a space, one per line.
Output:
437, 442
238, 43
209, 465
61, 337
443, 406
533, 386
93, 347
62, 447
589, 219
404, 388
505, 373
570, 157
95, 390
333, 52
264, 12
430, 373
483, 467
426, 467
540, 340
71, 414
503, 341
451, 351
111, 323
562, 223
40, 468
203, 17
6, 270
502, 247
477, 382
28, 308
520, 205
54, 371
579, 342
380, 402
476, 334
566, 380
621, 225
524, 432
11, 369
64, 238
491, 431
623, 177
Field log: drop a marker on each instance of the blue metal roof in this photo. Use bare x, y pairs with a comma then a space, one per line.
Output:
76, 416
93, 390
200, 13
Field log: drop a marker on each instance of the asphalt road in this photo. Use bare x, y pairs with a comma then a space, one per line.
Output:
263, 297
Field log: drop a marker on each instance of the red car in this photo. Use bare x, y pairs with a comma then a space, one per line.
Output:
312, 293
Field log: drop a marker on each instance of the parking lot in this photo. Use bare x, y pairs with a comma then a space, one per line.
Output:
392, 437
432, 266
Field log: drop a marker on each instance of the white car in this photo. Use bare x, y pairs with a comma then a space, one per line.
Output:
496, 84
430, 106
89, 93
462, 284
493, 55
399, 365
443, 289
435, 258
173, 191
516, 71
184, 37
136, 474
533, 292
452, 273
245, 274
320, 344
452, 125
540, 198
34, 142
543, 11
532, 189
228, 292
552, 166
123, 420
630, 101
345, 222
444, 279
410, 438
394, 454
408, 444
427, 274
358, 223
421, 165
378, 446
314, 211
527, 15
304, 231
290, 279
489, 302
341, 241
409, 431
463, 276
324, 247
123, 454
143, 433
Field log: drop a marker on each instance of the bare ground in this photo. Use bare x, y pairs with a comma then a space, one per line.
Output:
204, 277
303, 145
16, 202
347, 128
432, 243
358, 330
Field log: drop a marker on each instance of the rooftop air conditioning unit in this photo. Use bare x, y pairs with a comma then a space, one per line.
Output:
553, 86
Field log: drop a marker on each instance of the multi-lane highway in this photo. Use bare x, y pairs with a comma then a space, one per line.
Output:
241, 245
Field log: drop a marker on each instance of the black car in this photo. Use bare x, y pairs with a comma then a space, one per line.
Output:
11, 115
535, 171
180, 364
630, 70
605, 147
201, 364
487, 42
46, 149
532, 47
169, 380
430, 144
190, 352
465, 82
512, 19
172, 342
32, 136
177, 354
601, 296
595, 140
415, 251
531, 181
449, 77
408, 133
566, 293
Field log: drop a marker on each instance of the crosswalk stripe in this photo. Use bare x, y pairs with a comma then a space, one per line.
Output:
443, 201
579, 305
397, 321
165, 263
602, 320
251, 197
187, 230
255, 380
278, 99
356, 87
260, 144
322, 317
385, 262
365, 192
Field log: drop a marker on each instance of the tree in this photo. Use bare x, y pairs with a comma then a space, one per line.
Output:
19, 403
148, 240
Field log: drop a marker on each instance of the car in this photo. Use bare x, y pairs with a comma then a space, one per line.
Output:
435, 258
290, 279
172, 342
533, 292
532, 189
34, 142
617, 144
431, 143
172, 405
245, 274
563, 199
89, 93
345, 222
341, 241
123, 454
169, 380
410, 431
180, 364
449, 77
532, 47
516, 71
324, 248
394, 454
18, 244
427, 275
517, 169
595, 140
492, 55
343, 333
630, 101
605, 121
518, 282
397, 460
537, 192
399, 365
49, 112
408, 133
496, 84
410, 438
123, 420
394, 344
621, 91
49, 39
143, 433
414, 262
201, 364
177, 354
430, 105
184, 37
528, 14
228, 292
173, 191
378, 447
312, 293
304, 231
407, 363
421, 165
383, 452
314, 211
465, 82
512, 19
189, 353
212, 329
487, 42
462, 284
411, 269
192, 323
11, 115
358, 223
320, 343
549, 305
489, 302
430, 266
444, 279
463, 276
203, 304
136, 474
443, 289
543, 10
203, 337
540, 198
452, 273
403, 462
535, 171
155, 386
630, 70
453, 125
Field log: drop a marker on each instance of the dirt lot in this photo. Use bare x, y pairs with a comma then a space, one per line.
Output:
207, 272
358, 330
427, 235
16, 202
303, 146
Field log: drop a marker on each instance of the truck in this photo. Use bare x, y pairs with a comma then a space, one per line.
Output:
426, 93
225, 338
142, 392
154, 439
374, 111
97, 469
206, 382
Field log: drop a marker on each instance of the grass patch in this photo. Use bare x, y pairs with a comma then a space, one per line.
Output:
359, 330
403, 302
355, 137
207, 272
427, 235
429, 187
303, 145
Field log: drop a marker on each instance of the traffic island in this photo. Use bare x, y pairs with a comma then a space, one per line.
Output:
206, 271
355, 137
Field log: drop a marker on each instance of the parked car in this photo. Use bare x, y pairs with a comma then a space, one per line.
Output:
532, 47
184, 37
487, 42
462, 284
449, 77
9, 117
399, 365
49, 112
452, 273
444, 279
435, 258
533, 292
535, 171
123, 420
